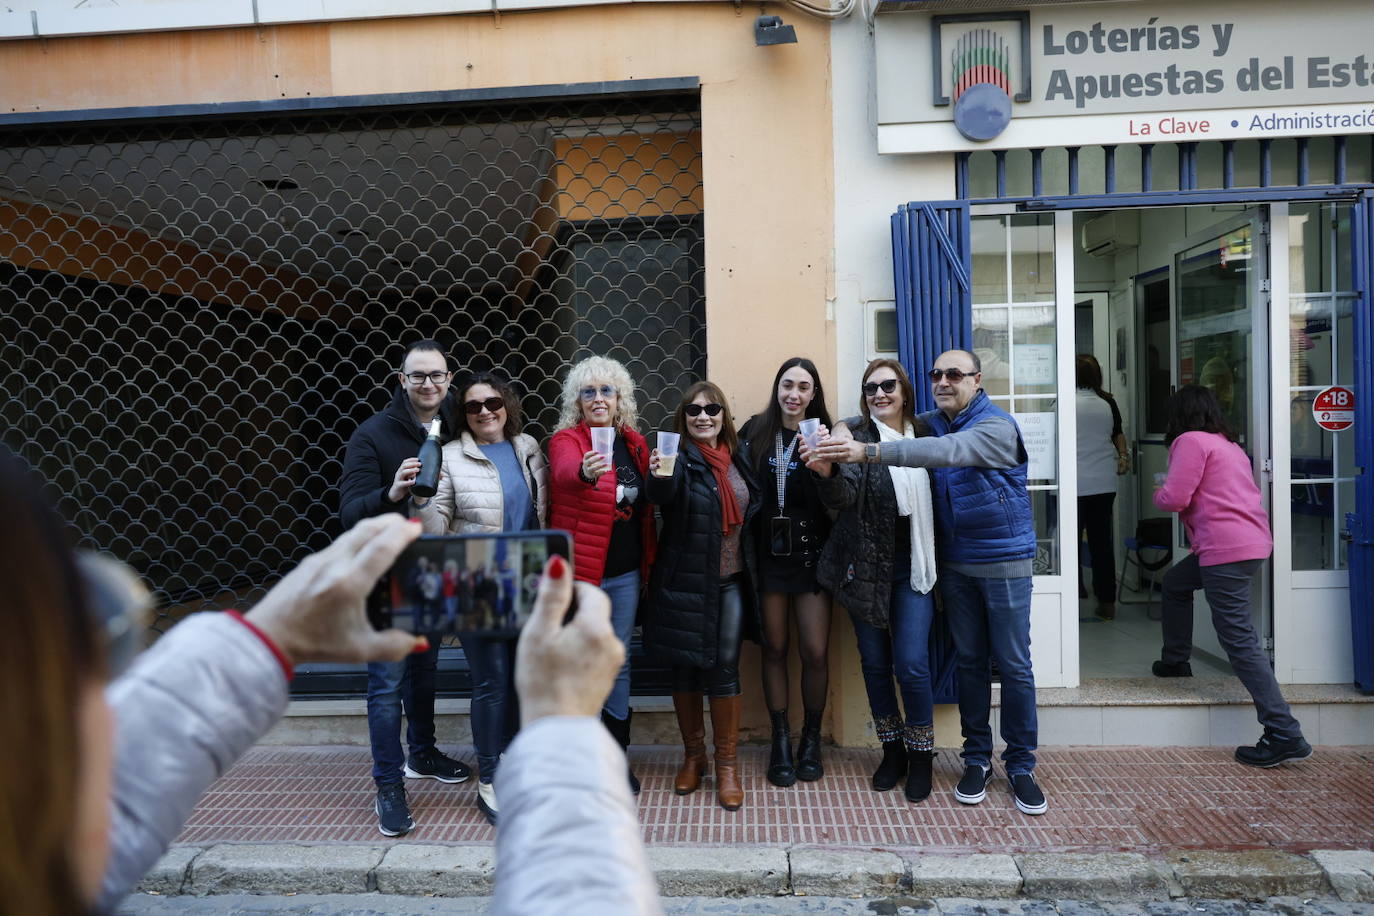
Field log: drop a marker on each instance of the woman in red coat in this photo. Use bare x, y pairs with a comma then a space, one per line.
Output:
602, 503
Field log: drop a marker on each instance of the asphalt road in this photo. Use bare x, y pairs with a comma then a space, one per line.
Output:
391, 905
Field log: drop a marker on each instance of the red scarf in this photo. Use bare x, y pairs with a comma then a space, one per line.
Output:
720, 459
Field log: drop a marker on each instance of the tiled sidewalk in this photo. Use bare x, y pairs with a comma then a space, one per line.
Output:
1101, 799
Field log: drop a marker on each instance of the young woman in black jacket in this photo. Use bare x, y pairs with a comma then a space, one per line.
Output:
701, 599
791, 529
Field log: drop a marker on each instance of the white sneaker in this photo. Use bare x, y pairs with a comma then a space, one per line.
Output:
486, 800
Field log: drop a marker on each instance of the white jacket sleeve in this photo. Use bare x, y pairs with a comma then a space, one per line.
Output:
568, 839
189, 707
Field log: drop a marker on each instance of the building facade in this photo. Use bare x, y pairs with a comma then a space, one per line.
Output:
1182, 193
222, 222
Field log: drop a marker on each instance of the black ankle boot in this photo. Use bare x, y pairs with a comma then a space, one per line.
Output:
781, 770
620, 731
918, 774
809, 767
894, 764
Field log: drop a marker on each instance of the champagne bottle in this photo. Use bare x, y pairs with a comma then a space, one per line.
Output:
427, 481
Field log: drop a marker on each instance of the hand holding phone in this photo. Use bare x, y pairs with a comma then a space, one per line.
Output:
566, 667
316, 613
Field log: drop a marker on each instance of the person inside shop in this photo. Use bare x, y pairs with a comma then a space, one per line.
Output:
702, 596
597, 494
1102, 457
789, 533
125, 764
1210, 484
985, 537
379, 468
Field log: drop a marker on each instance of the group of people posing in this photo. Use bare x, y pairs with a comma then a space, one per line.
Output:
731, 535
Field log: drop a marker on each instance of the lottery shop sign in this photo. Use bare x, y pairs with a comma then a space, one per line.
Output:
1334, 409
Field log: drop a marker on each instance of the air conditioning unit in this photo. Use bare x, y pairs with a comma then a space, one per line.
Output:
1107, 233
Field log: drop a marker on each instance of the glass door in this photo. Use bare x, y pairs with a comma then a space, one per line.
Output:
1023, 307
1220, 297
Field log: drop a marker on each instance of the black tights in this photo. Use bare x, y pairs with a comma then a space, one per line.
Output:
723, 679
813, 628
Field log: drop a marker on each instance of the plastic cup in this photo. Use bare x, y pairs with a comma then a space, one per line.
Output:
603, 443
1159, 478
667, 452
810, 429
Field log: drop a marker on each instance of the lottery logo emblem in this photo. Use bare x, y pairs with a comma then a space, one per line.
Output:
980, 65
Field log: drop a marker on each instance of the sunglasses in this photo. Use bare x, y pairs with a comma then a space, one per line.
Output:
888, 386
590, 392
491, 404
955, 376
696, 410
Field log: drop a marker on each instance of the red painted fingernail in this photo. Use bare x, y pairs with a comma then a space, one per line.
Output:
558, 567
421, 645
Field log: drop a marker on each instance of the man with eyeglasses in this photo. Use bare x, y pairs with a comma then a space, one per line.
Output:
380, 466
986, 538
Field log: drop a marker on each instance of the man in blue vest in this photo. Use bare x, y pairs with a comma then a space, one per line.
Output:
986, 541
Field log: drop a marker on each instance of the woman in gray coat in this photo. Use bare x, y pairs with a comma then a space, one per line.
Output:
494, 479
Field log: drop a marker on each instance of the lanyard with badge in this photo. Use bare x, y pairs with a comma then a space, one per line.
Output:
780, 526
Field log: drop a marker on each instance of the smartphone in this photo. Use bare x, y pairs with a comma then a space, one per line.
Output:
482, 584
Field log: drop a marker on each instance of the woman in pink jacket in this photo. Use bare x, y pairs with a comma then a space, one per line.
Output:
1210, 486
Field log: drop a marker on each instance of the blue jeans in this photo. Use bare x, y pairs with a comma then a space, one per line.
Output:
990, 619
623, 590
903, 651
390, 685
495, 708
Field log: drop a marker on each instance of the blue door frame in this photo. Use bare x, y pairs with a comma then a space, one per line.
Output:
932, 257
932, 265
1360, 523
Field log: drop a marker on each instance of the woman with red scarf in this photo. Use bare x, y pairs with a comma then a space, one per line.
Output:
701, 595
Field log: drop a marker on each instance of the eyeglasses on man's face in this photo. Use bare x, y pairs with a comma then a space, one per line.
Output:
696, 410
955, 376
888, 385
591, 392
434, 378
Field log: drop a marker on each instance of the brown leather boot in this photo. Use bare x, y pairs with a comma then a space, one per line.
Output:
725, 724
693, 728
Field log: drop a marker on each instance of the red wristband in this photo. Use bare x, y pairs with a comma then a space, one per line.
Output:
286, 668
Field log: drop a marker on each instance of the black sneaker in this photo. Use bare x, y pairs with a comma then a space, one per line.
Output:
973, 785
1172, 669
1029, 798
434, 764
393, 814
1271, 751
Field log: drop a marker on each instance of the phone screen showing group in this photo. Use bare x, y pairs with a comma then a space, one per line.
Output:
483, 584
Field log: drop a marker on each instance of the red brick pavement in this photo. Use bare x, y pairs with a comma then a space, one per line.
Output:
1101, 799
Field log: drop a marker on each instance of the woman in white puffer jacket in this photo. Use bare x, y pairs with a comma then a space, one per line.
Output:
494, 479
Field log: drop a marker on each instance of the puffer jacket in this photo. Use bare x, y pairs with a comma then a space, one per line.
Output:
588, 511
570, 840
856, 564
982, 513
682, 617
186, 710
210, 688
470, 499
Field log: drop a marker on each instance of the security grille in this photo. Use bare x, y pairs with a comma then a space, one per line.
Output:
195, 316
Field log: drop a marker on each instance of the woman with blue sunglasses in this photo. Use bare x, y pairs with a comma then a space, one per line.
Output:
598, 495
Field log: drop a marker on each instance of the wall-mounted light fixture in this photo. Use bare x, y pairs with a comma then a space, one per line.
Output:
769, 30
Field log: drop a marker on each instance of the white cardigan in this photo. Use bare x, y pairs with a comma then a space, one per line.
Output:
470, 499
